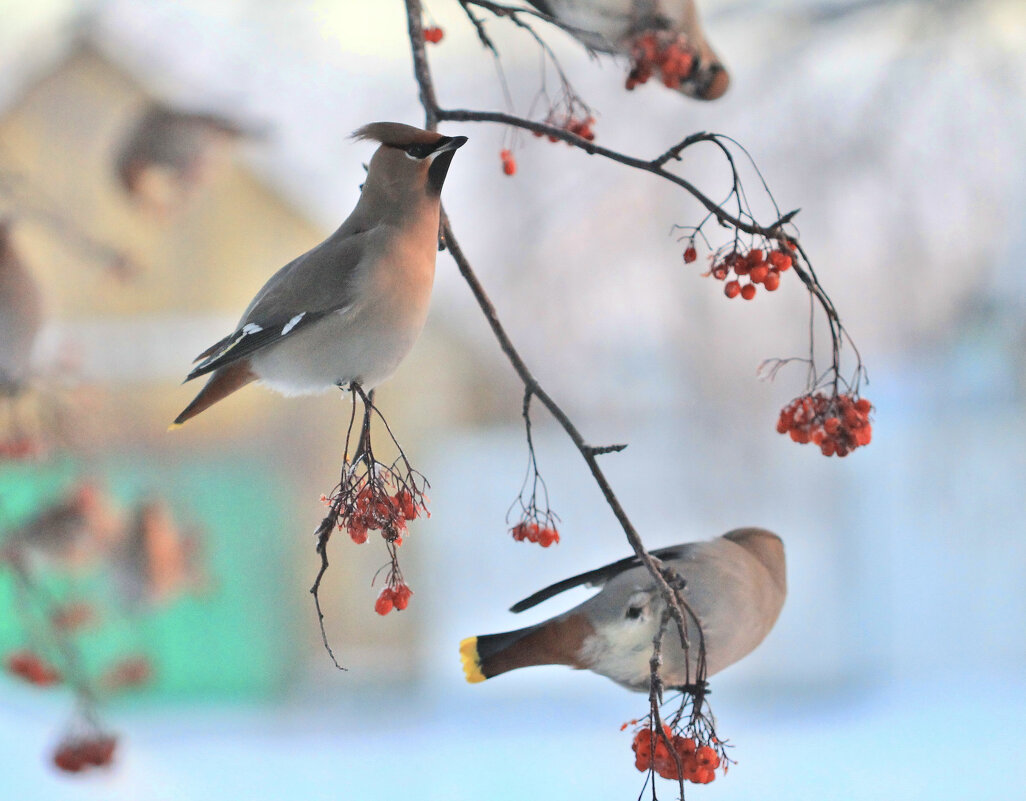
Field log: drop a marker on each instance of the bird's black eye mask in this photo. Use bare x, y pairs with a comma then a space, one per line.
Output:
420, 150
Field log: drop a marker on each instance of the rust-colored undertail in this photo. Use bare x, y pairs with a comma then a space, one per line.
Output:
555, 642
223, 382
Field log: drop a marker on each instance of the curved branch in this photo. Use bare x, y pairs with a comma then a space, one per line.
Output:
433, 115
656, 166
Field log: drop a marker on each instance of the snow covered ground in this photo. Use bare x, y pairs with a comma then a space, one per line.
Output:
957, 739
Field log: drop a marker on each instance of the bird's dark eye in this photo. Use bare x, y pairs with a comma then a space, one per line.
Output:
420, 150
634, 612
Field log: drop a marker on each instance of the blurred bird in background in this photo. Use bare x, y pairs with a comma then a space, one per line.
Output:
168, 154
734, 584
71, 533
155, 562
350, 309
21, 315
658, 35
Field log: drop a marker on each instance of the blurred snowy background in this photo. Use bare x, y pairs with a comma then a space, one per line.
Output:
898, 667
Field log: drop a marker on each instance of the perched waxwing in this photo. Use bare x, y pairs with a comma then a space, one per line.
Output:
614, 26
74, 532
351, 308
21, 315
167, 153
734, 584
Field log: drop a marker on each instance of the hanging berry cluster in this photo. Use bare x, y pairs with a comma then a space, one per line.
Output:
544, 535
373, 497
21, 447
837, 423
376, 505
758, 265
665, 52
579, 126
433, 34
395, 596
509, 164
537, 521
32, 668
697, 762
127, 673
86, 751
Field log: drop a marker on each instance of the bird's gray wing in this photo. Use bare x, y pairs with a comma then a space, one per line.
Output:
250, 338
597, 577
582, 23
322, 281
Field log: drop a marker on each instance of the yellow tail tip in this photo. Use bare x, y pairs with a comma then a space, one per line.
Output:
471, 663
175, 426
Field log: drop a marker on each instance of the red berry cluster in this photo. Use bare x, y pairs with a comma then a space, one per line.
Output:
20, 448
433, 34
698, 762
134, 671
580, 126
838, 424
33, 669
532, 532
757, 265
374, 510
395, 597
668, 53
74, 755
73, 616
509, 164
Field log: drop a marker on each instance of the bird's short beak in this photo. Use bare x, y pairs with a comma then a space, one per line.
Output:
447, 143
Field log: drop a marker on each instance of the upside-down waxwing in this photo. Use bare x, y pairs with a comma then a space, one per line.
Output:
734, 584
350, 309
21, 315
168, 152
73, 532
612, 26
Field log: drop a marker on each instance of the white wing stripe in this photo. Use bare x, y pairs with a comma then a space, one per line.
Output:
292, 323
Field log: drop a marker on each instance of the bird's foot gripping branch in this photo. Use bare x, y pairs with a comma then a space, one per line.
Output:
372, 496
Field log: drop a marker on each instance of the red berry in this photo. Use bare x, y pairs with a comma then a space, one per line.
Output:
401, 596
732, 289
772, 281
384, 603
509, 164
863, 405
748, 291
357, 531
707, 757
98, 750
759, 272
780, 260
68, 758
690, 254
404, 501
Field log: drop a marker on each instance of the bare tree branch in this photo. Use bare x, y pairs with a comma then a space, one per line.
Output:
433, 115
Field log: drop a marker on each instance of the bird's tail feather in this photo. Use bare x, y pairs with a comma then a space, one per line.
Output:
490, 654
222, 383
554, 642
